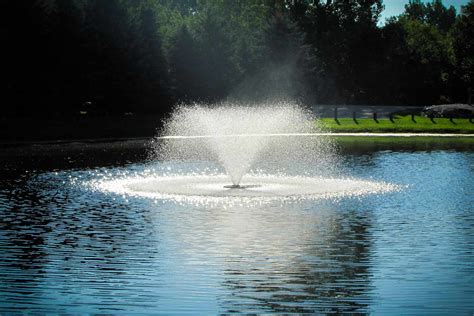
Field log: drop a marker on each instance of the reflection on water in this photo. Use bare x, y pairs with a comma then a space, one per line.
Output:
315, 263
66, 248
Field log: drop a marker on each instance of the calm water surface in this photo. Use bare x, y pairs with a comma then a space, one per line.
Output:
67, 248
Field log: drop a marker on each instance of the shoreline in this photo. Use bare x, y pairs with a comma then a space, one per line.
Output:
355, 135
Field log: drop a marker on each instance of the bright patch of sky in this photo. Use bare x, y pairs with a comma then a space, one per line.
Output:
396, 7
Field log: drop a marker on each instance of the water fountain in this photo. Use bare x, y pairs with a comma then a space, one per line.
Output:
234, 152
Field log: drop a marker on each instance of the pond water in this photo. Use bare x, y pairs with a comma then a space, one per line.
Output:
66, 247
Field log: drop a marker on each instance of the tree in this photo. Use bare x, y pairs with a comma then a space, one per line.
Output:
105, 38
149, 68
464, 47
140, 56
440, 16
419, 55
415, 9
185, 66
215, 49
346, 44
433, 13
24, 57
65, 70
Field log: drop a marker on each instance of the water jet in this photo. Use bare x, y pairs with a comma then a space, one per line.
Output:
240, 138
231, 151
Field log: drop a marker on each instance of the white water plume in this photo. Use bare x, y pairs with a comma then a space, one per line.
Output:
269, 137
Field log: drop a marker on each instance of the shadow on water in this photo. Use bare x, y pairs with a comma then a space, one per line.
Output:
55, 240
21, 158
354, 145
24, 230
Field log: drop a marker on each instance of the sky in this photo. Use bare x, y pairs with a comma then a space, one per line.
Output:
395, 7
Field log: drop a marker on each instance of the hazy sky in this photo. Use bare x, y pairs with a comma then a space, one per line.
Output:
395, 7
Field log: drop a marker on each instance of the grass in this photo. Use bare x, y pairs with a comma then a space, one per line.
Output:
400, 124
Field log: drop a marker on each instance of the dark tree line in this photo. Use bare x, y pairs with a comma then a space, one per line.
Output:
60, 57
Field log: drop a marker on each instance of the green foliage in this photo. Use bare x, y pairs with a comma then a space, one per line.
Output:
420, 54
345, 42
145, 55
186, 67
433, 13
464, 45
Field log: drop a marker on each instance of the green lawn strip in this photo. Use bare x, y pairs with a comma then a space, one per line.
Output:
400, 124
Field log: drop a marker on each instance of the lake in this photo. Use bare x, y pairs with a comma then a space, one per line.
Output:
68, 248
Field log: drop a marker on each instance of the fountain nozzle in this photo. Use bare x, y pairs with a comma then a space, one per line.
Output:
242, 187
234, 186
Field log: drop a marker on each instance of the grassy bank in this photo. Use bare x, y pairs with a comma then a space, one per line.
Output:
400, 124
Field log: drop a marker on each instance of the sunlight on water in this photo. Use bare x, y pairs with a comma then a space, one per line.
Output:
211, 189
126, 237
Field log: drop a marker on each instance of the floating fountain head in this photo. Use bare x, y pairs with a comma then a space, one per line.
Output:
241, 138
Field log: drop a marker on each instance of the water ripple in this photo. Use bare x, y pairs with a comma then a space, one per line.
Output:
65, 248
